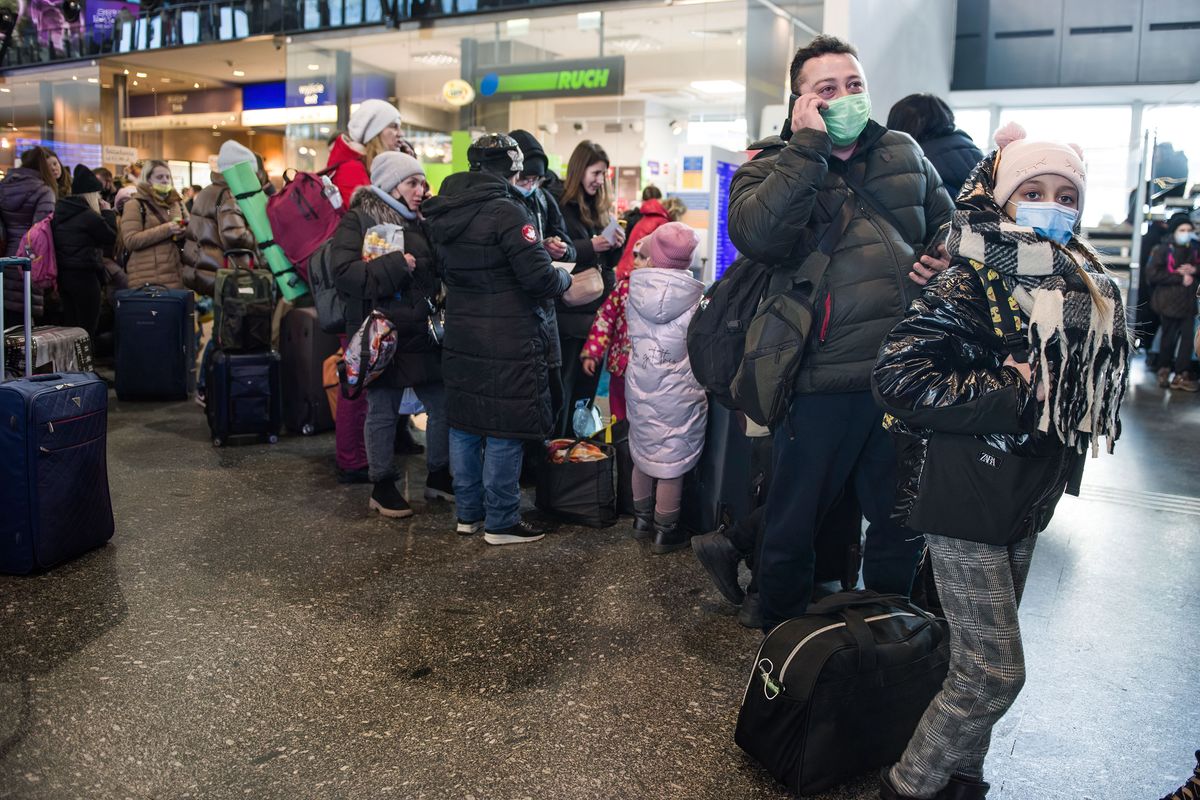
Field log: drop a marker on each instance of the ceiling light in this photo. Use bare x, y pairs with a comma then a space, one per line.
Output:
325, 131
634, 43
142, 75
711, 34
164, 80
106, 86
237, 73
435, 59
74, 77
719, 87
126, 72
6, 90
314, 67
676, 128
135, 83
517, 27
4, 143
93, 80
303, 151
588, 20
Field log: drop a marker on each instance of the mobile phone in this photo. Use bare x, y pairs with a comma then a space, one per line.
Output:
786, 132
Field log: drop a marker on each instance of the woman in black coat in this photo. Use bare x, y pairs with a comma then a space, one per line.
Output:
1172, 274
930, 121
586, 205
402, 285
81, 234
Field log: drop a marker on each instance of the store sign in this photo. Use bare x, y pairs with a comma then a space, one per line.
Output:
311, 94
595, 77
119, 155
203, 101
458, 92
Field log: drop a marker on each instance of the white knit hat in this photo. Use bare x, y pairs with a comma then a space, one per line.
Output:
390, 169
1021, 159
369, 120
233, 152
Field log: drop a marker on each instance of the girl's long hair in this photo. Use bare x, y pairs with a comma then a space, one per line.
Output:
593, 209
38, 160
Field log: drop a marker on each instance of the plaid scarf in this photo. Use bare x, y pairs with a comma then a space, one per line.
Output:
1078, 346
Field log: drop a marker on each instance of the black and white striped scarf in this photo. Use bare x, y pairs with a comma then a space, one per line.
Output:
1078, 348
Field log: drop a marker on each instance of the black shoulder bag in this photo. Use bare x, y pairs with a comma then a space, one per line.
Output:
968, 489
778, 334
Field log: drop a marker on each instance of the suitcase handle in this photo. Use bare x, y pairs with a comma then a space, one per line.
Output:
25, 266
53, 376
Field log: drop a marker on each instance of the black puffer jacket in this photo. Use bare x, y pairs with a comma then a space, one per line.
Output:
549, 220
1171, 298
499, 281
373, 285
953, 154
942, 369
576, 322
781, 202
80, 235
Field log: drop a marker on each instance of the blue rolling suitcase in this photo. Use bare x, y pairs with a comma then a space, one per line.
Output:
53, 463
156, 343
244, 397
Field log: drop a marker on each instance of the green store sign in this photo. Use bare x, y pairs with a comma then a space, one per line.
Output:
585, 78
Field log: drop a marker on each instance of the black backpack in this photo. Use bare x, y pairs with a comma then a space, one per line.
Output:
716, 336
331, 307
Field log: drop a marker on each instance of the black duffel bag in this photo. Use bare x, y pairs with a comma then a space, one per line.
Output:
582, 492
617, 435
838, 692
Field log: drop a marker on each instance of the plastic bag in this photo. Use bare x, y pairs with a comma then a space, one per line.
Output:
410, 403
586, 420
381, 240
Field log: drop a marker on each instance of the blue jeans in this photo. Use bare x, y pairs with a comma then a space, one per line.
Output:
487, 474
834, 440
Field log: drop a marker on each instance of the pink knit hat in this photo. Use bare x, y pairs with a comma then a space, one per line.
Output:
670, 246
1021, 159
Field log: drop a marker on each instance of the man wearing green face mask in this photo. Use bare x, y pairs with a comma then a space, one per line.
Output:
780, 205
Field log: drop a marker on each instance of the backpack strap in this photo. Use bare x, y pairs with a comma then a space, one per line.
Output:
872, 202
1004, 311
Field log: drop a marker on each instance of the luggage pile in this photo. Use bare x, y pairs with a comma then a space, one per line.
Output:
244, 396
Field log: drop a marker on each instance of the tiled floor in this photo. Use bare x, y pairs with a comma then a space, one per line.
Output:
252, 632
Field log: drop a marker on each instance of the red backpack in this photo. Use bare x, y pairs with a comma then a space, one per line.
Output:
304, 214
38, 245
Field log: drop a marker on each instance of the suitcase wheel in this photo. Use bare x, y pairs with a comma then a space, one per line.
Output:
217, 442
272, 439
308, 430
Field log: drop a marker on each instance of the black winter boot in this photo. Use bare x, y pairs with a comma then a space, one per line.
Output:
387, 500
887, 791
668, 537
961, 788
720, 559
643, 519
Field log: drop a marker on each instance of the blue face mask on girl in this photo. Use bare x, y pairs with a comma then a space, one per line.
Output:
526, 192
1055, 222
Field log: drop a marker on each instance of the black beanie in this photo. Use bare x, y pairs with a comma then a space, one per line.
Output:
1176, 220
83, 181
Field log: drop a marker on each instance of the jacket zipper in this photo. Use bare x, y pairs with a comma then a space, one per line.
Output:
900, 277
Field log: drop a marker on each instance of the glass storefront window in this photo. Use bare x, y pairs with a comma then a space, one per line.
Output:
975, 123
1103, 133
57, 108
1176, 125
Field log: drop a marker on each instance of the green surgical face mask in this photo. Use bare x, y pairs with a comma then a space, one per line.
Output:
162, 188
846, 117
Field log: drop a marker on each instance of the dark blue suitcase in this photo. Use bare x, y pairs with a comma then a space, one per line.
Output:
244, 396
53, 465
156, 343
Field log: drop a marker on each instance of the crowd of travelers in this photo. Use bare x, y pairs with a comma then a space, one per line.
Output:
908, 347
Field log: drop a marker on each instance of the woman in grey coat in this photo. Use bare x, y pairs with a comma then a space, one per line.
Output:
667, 407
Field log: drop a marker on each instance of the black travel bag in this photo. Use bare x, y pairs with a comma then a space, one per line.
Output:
582, 492
243, 305
156, 343
244, 397
303, 348
617, 435
839, 691
724, 486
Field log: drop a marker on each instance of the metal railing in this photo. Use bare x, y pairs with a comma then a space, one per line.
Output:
49, 31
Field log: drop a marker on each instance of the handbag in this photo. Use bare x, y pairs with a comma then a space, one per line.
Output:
586, 287
368, 354
968, 489
581, 492
839, 691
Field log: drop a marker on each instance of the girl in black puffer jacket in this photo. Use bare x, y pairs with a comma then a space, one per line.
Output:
1172, 273
81, 233
990, 441
401, 285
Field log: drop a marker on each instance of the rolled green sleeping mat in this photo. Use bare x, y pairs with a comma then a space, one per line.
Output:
239, 166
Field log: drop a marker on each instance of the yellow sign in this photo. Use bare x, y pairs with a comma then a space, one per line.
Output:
458, 92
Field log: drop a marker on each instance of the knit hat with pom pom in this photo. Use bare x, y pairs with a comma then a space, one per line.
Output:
1020, 159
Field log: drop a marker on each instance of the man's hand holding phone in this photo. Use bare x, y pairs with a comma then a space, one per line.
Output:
806, 112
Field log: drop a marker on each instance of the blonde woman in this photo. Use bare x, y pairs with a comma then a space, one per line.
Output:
374, 128
80, 235
153, 222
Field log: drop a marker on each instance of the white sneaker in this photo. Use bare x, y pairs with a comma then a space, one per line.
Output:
468, 528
